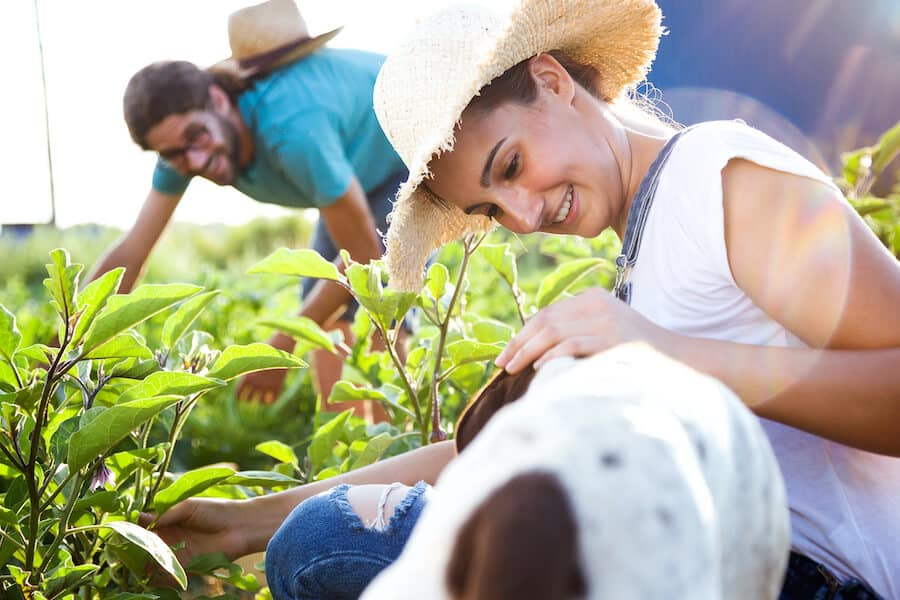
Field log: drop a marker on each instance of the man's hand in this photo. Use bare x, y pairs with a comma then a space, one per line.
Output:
203, 525
264, 386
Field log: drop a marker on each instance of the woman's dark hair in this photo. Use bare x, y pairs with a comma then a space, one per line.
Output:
517, 85
168, 88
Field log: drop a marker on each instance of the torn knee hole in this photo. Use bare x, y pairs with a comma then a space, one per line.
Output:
376, 504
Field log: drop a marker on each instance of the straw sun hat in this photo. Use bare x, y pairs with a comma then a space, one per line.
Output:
268, 35
427, 82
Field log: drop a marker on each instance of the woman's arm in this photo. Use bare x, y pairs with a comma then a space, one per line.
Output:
241, 527
806, 259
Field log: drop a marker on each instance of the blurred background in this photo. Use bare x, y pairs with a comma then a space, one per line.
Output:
822, 76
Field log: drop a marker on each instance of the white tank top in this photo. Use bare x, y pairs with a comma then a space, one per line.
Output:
845, 503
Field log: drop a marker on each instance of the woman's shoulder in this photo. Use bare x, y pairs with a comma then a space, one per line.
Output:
712, 145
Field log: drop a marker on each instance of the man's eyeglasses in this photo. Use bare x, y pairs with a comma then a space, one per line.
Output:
197, 136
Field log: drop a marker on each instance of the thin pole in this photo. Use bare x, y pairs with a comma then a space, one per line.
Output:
37, 22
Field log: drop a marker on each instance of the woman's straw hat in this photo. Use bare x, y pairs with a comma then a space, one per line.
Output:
427, 82
266, 36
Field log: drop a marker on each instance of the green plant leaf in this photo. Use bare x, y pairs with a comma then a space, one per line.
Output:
93, 298
110, 426
207, 563
436, 280
62, 282
887, 149
105, 500
153, 545
124, 345
59, 443
183, 318
303, 328
10, 338
240, 360
325, 438
299, 263
38, 353
122, 312
189, 484
503, 260
564, 277
169, 383
279, 451
491, 332
374, 450
467, 351
345, 391
385, 305
65, 577
8, 517
130, 368
265, 479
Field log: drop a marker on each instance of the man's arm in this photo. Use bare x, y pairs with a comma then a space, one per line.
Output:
350, 224
132, 250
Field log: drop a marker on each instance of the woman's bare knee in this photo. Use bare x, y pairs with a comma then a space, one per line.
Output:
375, 504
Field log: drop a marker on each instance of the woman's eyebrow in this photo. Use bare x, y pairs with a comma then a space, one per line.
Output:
486, 173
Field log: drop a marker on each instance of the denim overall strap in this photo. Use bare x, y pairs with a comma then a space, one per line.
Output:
637, 218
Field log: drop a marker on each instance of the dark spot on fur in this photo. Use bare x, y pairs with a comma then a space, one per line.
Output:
611, 459
701, 449
665, 516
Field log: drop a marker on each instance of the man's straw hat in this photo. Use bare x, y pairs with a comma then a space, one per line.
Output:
266, 36
427, 82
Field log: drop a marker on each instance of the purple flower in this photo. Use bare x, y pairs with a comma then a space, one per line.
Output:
102, 477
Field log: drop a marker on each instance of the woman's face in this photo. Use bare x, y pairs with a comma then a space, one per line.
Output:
548, 166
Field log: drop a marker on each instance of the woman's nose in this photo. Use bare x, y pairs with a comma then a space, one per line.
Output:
523, 211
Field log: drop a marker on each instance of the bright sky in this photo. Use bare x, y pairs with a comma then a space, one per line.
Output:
91, 48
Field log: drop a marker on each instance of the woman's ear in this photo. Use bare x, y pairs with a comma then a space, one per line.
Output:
552, 77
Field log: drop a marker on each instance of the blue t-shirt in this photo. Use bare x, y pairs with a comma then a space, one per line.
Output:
314, 127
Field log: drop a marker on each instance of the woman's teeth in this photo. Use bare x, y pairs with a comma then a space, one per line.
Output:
564, 209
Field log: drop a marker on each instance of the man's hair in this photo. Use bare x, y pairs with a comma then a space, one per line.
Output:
162, 89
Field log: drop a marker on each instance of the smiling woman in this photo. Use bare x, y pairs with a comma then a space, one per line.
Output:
560, 154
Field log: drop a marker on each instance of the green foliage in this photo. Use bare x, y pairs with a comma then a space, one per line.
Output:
862, 169
77, 458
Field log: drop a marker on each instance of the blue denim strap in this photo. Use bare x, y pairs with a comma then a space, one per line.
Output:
637, 218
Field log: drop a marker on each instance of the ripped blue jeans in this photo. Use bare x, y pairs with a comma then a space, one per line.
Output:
324, 551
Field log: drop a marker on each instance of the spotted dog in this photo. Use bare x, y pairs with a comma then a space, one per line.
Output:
621, 476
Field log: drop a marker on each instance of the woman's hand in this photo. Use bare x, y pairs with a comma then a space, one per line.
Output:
582, 325
203, 525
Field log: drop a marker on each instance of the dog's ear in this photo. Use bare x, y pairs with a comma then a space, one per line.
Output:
520, 544
497, 393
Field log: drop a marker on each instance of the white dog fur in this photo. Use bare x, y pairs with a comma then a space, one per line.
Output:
671, 480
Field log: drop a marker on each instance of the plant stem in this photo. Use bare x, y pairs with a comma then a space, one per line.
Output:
178, 423
56, 492
404, 378
12, 459
33, 496
67, 513
469, 244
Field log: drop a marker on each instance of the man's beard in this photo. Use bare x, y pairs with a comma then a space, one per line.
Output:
230, 151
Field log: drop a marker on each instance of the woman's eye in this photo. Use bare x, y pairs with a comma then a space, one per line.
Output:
492, 211
513, 166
